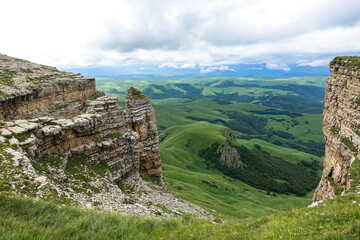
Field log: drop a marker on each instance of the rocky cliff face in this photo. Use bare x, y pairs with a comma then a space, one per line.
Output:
141, 117
28, 90
60, 137
341, 127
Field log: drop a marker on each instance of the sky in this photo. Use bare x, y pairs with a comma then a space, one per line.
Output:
180, 34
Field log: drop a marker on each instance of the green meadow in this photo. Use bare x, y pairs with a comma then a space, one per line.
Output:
25, 219
193, 113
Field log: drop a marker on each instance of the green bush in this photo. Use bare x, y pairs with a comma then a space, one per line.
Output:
335, 129
348, 143
346, 61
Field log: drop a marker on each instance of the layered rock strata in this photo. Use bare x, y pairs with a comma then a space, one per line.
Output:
104, 132
141, 117
341, 127
28, 90
60, 138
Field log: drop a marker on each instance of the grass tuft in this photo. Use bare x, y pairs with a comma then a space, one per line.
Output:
346, 61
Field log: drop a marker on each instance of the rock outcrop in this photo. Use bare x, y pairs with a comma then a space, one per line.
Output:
229, 154
341, 126
60, 136
28, 90
141, 117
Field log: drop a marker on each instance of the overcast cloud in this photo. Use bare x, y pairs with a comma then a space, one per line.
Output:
181, 33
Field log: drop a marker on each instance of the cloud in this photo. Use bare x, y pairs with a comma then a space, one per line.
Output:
315, 63
180, 34
275, 66
215, 68
177, 66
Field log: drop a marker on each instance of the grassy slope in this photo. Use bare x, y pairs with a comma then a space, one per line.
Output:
288, 154
24, 219
186, 174
169, 115
299, 94
106, 84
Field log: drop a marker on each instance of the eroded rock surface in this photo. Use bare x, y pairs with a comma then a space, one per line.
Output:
341, 127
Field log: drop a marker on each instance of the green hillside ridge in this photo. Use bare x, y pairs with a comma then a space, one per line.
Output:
252, 108
187, 174
249, 121
298, 94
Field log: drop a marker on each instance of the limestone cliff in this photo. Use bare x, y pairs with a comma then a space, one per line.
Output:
341, 126
229, 154
29, 90
141, 117
59, 136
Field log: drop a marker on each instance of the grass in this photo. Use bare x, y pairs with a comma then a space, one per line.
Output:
24, 219
335, 130
349, 144
43, 163
40, 79
6, 77
302, 94
185, 173
136, 95
77, 164
11, 176
337, 190
305, 129
94, 97
346, 61
109, 136
23, 137
355, 175
27, 70
357, 132
183, 101
59, 107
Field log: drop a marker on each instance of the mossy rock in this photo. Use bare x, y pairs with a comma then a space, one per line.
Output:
346, 61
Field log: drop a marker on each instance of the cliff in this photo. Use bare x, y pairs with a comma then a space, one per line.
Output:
60, 138
28, 90
341, 127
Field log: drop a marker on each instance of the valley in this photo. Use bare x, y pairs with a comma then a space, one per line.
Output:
228, 162
268, 122
196, 120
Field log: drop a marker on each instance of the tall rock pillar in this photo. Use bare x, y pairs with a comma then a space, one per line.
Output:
141, 117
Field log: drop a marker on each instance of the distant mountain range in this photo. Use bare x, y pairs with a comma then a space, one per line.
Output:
136, 71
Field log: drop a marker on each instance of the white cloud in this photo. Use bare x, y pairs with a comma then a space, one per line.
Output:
315, 63
177, 66
275, 66
215, 68
181, 34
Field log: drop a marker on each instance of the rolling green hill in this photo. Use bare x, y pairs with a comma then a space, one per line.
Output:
187, 174
298, 94
251, 107
278, 126
249, 121
193, 113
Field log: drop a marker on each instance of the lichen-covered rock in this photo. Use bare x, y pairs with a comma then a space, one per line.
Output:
341, 127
